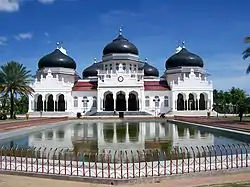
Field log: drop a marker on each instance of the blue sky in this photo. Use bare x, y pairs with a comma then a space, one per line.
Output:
212, 29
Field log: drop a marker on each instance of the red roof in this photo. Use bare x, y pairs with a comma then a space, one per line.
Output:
85, 86
156, 85
92, 85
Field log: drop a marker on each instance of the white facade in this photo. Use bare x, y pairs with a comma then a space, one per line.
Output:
121, 85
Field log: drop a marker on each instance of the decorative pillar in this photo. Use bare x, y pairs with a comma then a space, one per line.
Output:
44, 104
174, 102
30, 104
127, 102
66, 102
55, 105
198, 103
114, 102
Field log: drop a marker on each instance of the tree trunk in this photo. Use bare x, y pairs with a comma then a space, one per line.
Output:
12, 105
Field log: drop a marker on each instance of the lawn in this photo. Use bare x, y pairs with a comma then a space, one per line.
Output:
234, 118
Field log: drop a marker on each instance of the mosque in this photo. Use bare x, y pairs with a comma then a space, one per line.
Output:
121, 82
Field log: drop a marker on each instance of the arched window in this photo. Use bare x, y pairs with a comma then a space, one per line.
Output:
147, 101
75, 102
94, 102
165, 101
157, 101
85, 102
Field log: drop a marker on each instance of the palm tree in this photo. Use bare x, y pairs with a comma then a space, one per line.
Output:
15, 80
246, 53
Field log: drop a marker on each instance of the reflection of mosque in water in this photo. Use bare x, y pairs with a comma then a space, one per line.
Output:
126, 136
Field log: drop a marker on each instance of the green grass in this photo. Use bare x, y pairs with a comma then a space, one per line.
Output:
234, 118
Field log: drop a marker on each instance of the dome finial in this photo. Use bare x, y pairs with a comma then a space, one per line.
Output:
146, 59
120, 30
57, 45
183, 44
94, 60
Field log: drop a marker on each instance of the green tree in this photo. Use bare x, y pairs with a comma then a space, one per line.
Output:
246, 53
15, 80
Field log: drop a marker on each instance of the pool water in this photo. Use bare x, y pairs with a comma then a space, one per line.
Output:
124, 137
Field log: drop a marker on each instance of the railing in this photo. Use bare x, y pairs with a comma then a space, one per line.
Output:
125, 164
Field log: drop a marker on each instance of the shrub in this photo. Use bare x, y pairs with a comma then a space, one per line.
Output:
78, 115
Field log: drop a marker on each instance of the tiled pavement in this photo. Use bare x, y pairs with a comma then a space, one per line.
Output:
213, 121
28, 123
12, 181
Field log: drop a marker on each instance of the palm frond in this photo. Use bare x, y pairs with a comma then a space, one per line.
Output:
247, 39
248, 69
246, 53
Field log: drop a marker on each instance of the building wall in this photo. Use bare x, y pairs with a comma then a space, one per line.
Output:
150, 98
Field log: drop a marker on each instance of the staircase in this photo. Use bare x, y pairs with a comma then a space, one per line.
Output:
126, 113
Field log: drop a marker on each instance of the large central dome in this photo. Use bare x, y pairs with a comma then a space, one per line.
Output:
120, 45
57, 59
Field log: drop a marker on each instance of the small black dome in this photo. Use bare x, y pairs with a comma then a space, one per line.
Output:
56, 59
91, 71
184, 58
150, 70
120, 45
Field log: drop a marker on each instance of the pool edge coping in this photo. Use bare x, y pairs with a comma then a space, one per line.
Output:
211, 127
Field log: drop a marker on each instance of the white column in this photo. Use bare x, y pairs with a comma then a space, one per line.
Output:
31, 101
198, 105
126, 102
174, 102
66, 102
114, 97
211, 99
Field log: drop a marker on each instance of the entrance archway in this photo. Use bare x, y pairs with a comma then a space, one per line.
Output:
39, 103
133, 104
50, 103
202, 104
180, 102
61, 103
109, 102
191, 102
120, 101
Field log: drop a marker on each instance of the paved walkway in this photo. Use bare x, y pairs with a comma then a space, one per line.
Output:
20, 181
213, 121
28, 123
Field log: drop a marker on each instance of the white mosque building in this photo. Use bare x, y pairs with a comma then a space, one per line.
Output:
121, 81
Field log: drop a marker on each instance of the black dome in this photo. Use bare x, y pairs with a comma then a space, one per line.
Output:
57, 59
91, 71
150, 70
120, 45
184, 58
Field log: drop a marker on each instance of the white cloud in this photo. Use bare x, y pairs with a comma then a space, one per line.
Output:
14, 5
46, 1
3, 40
24, 36
46, 34
9, 5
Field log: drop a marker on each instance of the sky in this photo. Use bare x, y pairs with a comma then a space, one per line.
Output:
212, 29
